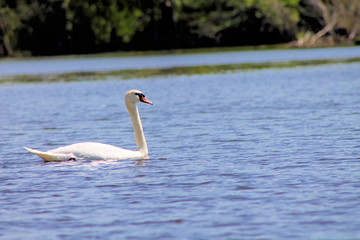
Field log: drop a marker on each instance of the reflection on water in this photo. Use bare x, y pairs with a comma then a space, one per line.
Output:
269, 154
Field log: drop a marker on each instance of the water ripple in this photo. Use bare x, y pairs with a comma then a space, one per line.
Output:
270, 154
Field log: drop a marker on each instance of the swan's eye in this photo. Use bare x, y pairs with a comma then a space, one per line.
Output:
140, 95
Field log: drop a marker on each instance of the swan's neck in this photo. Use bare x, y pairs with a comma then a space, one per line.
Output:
138, 129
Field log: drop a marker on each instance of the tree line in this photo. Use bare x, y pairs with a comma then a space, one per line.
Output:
53, 27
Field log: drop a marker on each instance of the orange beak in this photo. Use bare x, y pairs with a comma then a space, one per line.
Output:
144, 100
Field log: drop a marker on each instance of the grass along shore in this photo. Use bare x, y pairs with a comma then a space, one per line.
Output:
143, 73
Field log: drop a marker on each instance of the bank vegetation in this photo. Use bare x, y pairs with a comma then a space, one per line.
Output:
58, 27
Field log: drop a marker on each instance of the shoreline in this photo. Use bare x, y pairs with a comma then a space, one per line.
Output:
136, 53
126, 74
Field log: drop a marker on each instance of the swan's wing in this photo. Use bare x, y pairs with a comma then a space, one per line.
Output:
49, 157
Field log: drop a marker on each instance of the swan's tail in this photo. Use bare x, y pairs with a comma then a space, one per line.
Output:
51, 157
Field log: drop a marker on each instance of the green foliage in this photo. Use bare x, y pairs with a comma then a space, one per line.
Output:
213, 18
120, 17
47, 27
9, 21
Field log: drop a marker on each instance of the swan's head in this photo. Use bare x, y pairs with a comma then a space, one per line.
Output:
135, 96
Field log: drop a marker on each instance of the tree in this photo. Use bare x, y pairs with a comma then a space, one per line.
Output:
238, 22
9, 21
52, 27
36, 25
102, 23
335, 17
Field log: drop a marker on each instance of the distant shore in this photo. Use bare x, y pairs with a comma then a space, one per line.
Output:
150, 72
292, 45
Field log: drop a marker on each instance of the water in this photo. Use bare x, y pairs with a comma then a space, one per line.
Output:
62, 65
270, 154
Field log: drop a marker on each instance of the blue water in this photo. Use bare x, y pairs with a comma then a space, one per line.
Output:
85, 64
265, 154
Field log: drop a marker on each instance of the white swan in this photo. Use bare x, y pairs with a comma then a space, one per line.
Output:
99, 151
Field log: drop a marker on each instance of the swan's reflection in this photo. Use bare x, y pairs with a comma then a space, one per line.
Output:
95, 164
141, 162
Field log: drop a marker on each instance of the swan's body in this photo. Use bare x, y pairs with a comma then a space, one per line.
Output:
100, 151
88, 151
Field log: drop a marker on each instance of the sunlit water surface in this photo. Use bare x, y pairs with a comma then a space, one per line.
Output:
88, 63
268, 154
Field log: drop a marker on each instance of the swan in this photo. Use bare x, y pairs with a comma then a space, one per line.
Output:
100, 151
